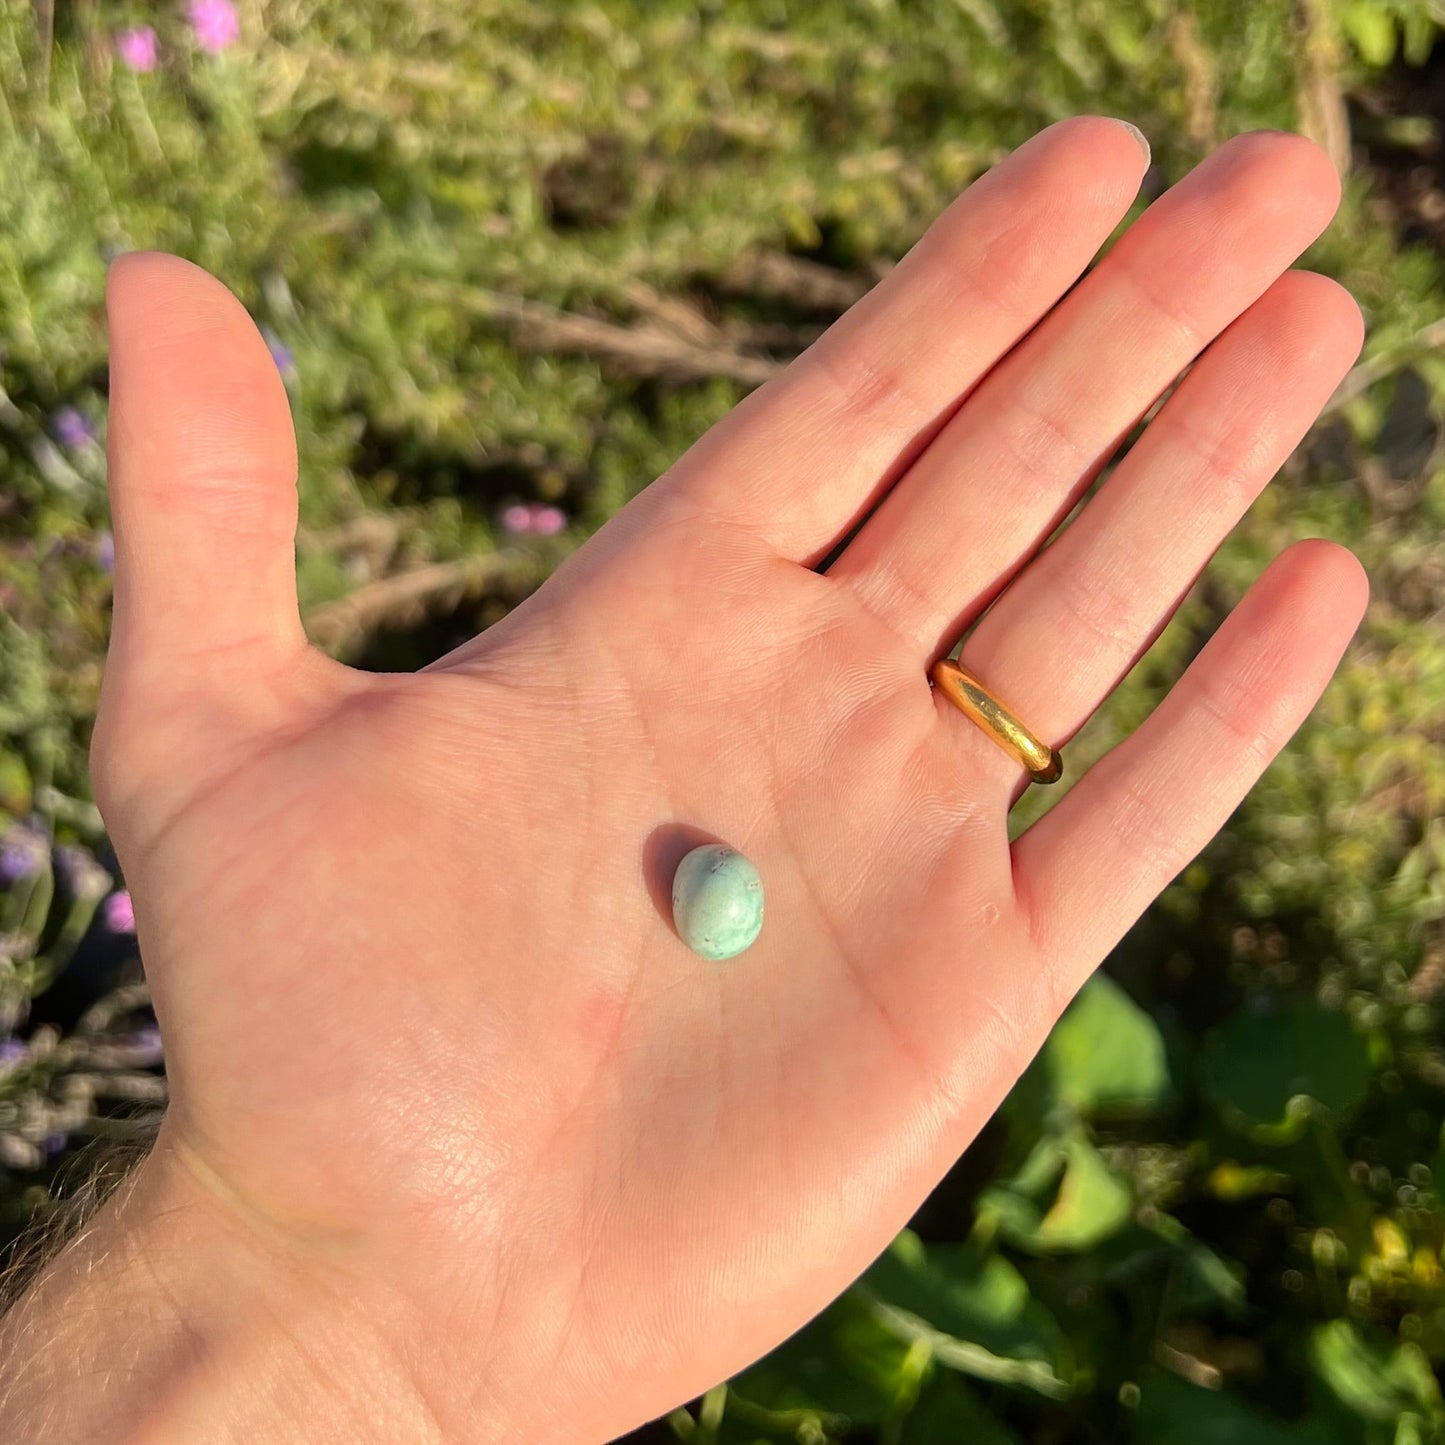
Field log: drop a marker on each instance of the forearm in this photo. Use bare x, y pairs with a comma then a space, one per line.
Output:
162, 1322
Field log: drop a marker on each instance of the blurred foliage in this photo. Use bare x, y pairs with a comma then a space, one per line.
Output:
510, 252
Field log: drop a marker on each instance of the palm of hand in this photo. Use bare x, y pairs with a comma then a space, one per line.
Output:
409, 935
435, 905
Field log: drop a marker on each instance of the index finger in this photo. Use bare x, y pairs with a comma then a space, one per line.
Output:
806, 456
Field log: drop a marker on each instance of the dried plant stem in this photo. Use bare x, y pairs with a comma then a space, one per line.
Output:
1364, 375
1320, 99
640, 350
405, 596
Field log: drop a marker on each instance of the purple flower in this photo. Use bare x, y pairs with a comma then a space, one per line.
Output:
517, 518
137, 47
548, 521
22, 852
281, 354
119, 913
72, 427
54, 1143
215, 23
12, 1050
146, 1044
105, 551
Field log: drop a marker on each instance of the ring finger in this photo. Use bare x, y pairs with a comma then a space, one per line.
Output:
1076, 619
1014, 459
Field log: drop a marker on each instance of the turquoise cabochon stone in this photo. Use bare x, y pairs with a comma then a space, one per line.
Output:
717, 901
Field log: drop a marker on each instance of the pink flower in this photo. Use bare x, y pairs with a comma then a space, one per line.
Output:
548, 521
215, 23
517, 518
535, 517
119, 912
137, 47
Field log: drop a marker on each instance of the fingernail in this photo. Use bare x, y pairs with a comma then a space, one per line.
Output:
1138, 136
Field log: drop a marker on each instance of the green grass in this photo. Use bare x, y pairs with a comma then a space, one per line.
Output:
527, 252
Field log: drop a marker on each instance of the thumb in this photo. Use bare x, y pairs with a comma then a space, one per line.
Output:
202, 478
202, 472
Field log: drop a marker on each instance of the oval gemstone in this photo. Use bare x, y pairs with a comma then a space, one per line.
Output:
717, 901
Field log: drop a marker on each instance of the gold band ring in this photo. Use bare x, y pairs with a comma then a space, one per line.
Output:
968, 694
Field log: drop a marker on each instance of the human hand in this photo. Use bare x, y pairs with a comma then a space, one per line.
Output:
434, 1046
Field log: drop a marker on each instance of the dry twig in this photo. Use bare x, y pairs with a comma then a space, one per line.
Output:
405, 596
1366, 373
645, 350
1320, 98
794, 279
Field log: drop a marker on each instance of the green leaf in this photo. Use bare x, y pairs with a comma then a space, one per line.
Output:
845, 1367
1040, 1171
1377, 1379
1420, 30
973, 1296
1271, 1071
1090, 1202
1202, 1279
1174, 1412
949, 1413
1122, 36
1371, 30
1207, 1280
1409, 1432
1105, 1054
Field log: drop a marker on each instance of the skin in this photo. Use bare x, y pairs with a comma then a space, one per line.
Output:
464, 1143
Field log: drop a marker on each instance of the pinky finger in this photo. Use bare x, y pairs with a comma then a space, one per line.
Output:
1091, 865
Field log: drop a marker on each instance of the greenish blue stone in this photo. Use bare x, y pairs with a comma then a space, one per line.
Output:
717, 901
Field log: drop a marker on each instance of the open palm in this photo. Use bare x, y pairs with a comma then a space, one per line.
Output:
431, 1035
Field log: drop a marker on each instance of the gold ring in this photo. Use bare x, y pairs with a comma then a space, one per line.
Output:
968, 694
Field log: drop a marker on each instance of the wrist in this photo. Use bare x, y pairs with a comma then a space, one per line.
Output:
170, 1318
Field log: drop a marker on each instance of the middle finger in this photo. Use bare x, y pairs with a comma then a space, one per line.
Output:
1016, 457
